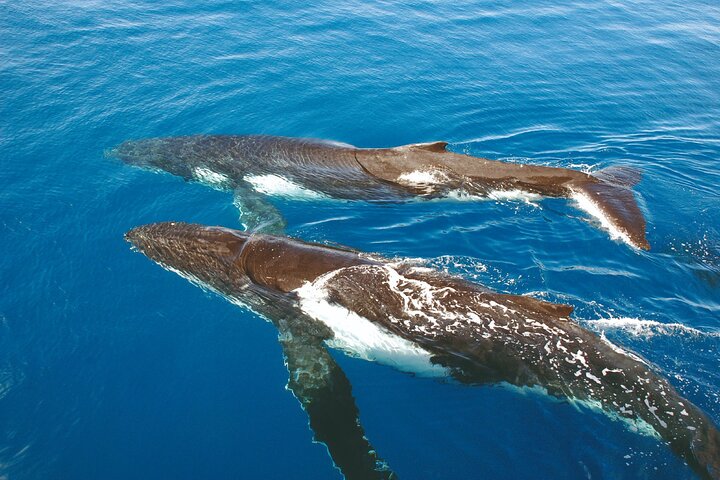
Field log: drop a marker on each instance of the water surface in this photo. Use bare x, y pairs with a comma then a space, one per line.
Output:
113, 368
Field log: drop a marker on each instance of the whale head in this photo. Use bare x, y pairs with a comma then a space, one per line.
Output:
158, 154
210, 256
230, 260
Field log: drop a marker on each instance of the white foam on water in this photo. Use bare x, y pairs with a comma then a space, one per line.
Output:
586, 204
326, 220
514, 195
282, 187
462, 195
209, 177
361, 338
432, 177
647, 328
426, 179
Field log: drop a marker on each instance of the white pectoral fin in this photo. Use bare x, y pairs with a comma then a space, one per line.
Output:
257, 214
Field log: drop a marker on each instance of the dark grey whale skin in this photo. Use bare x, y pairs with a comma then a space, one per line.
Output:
378, 174
479, 335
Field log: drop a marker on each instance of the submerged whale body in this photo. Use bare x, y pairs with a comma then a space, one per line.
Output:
428, 170
423, 321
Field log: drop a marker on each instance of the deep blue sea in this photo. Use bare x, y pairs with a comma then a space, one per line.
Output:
112, 368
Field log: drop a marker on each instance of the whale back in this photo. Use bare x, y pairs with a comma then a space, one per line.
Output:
284, 264
432, 169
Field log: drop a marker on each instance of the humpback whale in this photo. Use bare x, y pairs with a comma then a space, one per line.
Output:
315, 378
250, 164
430, 323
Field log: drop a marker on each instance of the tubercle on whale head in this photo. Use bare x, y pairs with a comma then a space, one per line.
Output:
207, 254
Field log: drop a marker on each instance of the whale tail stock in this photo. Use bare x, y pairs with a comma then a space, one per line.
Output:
608, 196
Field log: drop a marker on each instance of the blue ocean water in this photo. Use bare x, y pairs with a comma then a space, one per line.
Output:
111, 367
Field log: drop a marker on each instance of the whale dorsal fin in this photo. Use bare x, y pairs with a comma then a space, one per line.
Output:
558, 310
438, 147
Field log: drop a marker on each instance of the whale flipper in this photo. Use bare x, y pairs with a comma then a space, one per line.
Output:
325, 394
257, 214
315, 379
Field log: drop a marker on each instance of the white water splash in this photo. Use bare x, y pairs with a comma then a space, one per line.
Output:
619, 350
647, 328
282, 187
494, 195
515, 196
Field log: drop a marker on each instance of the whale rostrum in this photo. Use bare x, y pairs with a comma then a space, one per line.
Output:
430, 323
257, 163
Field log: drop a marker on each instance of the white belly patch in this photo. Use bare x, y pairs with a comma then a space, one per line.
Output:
361, 338
276, 185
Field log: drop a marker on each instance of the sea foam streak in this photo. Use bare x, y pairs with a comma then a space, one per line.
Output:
647, 328
515, 196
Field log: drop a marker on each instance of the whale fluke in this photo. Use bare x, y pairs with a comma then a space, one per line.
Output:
620, 175
616, 208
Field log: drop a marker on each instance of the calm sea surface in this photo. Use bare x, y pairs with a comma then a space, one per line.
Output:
112, 368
